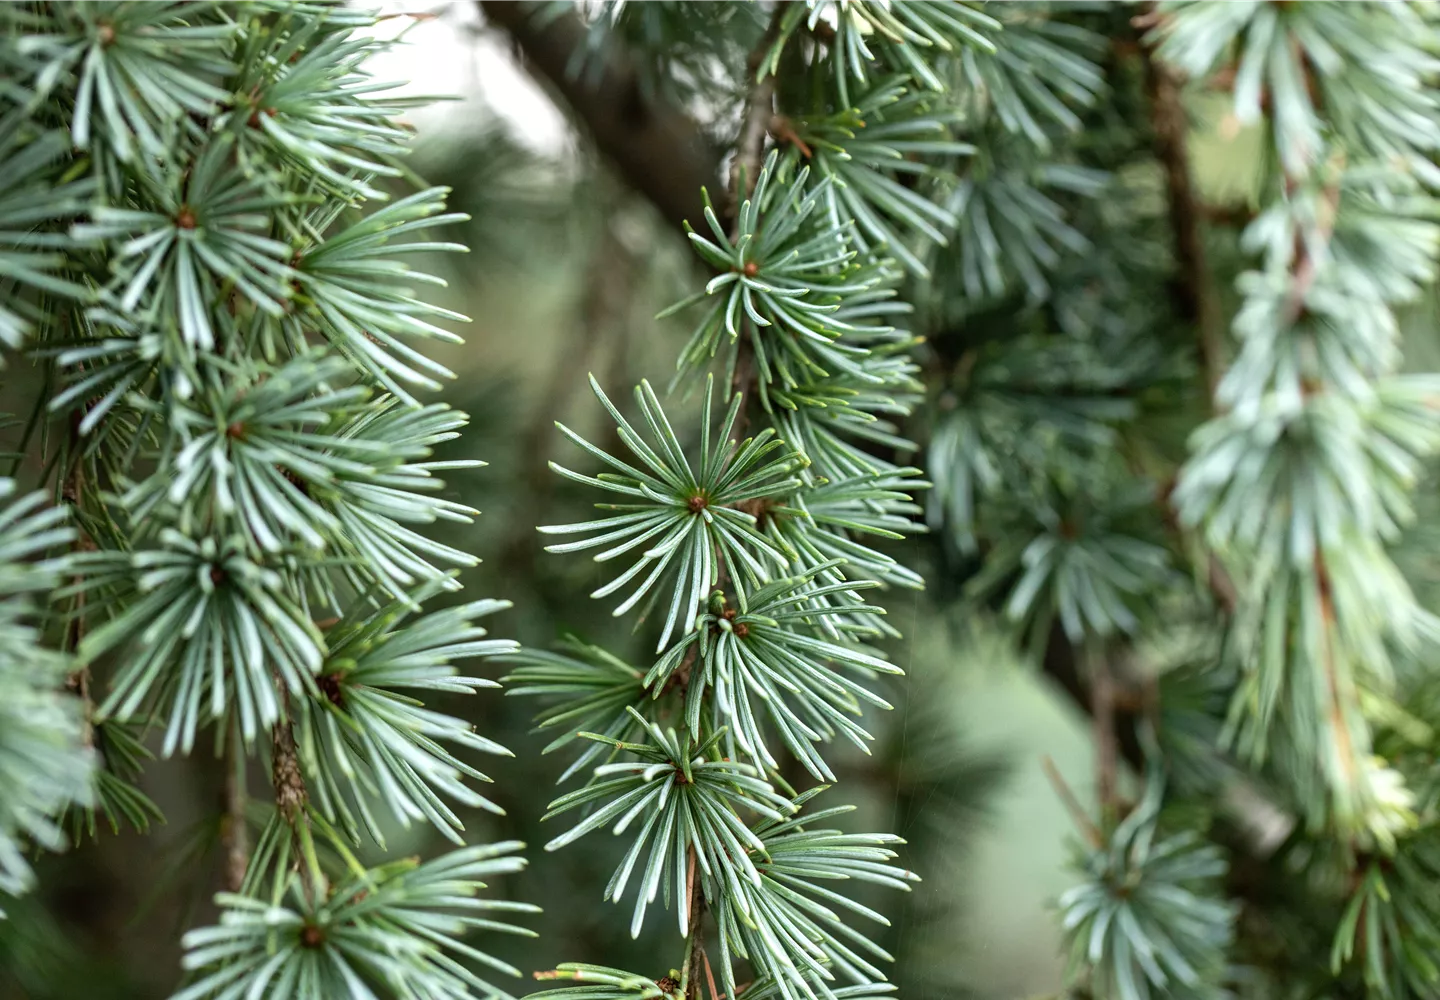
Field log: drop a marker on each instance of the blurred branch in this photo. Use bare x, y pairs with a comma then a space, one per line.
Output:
234, 835
1248, 826
1192, 288
1102, 712
659, 150
1072, 805
1061, 663
1236, 216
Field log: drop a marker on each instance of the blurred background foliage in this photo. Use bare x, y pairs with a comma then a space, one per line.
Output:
567, 271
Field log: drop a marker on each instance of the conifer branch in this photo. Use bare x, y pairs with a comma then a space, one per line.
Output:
1107, 765
749, 152
744, 170
232, 337
763, 621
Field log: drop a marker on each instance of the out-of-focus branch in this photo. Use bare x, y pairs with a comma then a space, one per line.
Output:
1194, 290
659, 150
234, 834
604, 306
1102, 717
1248, 826
1061, 662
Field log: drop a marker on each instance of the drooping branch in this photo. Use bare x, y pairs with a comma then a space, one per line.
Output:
659, 150
749, 153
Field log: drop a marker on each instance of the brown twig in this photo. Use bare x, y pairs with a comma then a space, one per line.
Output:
755, 125
715, 994
1081, 819
291, 796
695, 898
1061, 663
1194, 290
1102, 715
744, 171
749, 153
1305, 253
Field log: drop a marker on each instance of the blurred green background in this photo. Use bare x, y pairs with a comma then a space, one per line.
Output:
566, 273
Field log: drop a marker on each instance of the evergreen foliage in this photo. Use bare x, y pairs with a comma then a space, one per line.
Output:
755, 543
963, 235
1211, 543
206, 275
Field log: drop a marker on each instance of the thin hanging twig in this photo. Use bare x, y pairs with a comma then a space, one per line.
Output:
1072, 804
1107, 755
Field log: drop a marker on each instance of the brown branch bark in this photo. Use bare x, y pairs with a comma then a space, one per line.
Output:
696, 898
659, 150
744, 171
291, 795
1107, 747
755, 126
1061, 663
1193, 287
1194, 290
